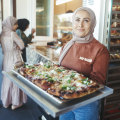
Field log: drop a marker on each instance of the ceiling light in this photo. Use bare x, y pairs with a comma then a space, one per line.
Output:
58, 2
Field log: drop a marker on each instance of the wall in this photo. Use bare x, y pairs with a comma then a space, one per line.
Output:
98, 6
23, 10
7, 8
0, 18
72, 5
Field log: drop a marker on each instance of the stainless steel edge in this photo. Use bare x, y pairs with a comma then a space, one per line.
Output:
53, 108
36, 88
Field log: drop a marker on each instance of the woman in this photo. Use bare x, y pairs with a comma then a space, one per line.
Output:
23, 24
11, 46
87, 56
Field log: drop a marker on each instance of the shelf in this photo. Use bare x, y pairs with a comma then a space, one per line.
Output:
117, 52
116, 3
115, 36
116, 88
115, 20
113, 82
114, 66
116, 60
112, 115
114, 98
113, 95
114, 75
113, 102
115, 45
114, 12
115, 106
115, 28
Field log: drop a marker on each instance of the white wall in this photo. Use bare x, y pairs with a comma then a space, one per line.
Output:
0, 18
98, 7
23, 10
27, 9
7, 8
102, 20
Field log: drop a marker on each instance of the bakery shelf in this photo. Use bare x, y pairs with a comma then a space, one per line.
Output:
113, 102
114, 66
113, 82
113, 95
115, 20
112, 115
116, 88
111, 107
115, 45
116, 3
113, 75
117, 51
116, 60
115, 12
115, 36
115, 28
113, 98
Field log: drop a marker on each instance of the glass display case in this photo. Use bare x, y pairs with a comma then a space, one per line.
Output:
112, 41
63, 27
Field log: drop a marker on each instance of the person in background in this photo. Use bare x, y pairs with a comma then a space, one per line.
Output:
87, 56
23, 25
11, 46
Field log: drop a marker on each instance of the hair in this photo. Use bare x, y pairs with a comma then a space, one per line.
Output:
16, 23
23, 24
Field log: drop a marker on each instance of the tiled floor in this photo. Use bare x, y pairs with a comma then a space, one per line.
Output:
29, 111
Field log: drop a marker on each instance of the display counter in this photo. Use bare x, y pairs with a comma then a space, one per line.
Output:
36, 53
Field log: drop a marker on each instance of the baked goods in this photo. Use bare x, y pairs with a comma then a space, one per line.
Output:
114, 56
59, 81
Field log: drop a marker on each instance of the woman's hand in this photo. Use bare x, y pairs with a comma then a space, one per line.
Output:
33, 31
18, 48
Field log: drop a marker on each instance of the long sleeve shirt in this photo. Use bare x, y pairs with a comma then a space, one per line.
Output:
90, 59
26, 40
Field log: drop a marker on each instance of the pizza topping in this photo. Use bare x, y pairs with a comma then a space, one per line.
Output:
58, 80
47, 65
68, 87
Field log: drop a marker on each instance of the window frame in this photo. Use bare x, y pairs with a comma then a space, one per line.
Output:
33, 18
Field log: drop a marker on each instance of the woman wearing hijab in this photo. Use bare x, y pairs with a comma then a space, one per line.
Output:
11, 46
23, 24
87, 56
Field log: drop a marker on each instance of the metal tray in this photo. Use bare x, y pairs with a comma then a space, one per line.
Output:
50, 105
45, 93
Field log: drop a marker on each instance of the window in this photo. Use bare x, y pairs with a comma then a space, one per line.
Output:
43, 19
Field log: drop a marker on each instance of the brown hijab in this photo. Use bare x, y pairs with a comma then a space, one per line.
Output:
88, 38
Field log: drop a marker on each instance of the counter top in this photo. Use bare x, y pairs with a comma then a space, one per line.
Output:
48, 52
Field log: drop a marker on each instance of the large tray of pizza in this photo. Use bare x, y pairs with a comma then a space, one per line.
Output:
56, 82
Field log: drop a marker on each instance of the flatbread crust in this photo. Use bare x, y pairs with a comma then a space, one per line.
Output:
59, 81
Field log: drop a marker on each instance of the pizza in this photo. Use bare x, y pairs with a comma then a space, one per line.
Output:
59, 81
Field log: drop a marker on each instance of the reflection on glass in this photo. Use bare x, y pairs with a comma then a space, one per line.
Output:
63, 24
43, 17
